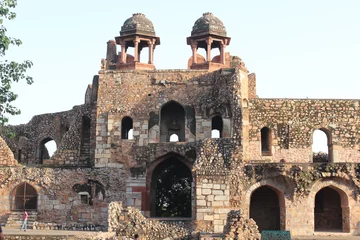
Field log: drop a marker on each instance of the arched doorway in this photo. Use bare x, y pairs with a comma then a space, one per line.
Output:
170, 190
265, 208
24, 196
328, 210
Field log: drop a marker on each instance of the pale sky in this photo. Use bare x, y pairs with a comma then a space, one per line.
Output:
298, 49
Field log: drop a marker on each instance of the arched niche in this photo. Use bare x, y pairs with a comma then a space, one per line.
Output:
24, 196
172, 121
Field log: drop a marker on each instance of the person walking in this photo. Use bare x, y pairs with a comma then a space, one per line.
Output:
25, 218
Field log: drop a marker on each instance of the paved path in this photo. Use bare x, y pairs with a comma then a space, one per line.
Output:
16, 231
31, 232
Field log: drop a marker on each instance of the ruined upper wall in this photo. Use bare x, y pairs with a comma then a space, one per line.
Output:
293, 121
65, 128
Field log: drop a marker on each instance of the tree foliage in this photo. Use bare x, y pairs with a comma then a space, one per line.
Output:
10, 71
173, 190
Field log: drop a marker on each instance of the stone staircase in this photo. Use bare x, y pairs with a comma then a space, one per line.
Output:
15, 219
85, 146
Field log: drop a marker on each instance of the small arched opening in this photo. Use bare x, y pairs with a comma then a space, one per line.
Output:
322, 146
127, 128
174, 138
265, 141
331, 207
47, 149
24, 196
265, 208
172, 121
216, 127
170, 189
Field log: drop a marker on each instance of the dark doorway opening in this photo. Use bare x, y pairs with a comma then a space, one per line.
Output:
24, 196
126, 128
170, 193
172, 121
216, 127
328, 211
265, 208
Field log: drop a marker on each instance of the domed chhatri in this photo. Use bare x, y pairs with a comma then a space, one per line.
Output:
138, 24
208, 33
208, 24
137, 32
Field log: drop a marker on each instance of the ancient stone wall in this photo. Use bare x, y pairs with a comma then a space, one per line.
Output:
65, 128
66, 196
141, 94
292, 123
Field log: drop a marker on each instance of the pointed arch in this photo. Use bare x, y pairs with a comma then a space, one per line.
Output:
24, 196
169, 187
172, 121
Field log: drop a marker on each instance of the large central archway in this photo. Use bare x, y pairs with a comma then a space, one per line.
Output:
265, 208
170, 189
328, 211
24, 196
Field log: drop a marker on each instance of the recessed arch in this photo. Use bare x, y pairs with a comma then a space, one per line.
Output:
169, 187
266, 143
336, 202
24, 196
266, 204
172, 121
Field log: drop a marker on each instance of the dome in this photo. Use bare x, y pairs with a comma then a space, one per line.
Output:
208, 24
137, 24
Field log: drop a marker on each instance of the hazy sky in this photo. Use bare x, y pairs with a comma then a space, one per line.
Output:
297, 49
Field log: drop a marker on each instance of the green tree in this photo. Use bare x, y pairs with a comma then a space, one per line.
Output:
10, 71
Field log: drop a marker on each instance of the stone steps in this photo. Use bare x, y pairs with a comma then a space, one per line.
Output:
15, 219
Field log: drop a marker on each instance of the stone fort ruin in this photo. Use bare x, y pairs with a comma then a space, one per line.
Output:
186, 145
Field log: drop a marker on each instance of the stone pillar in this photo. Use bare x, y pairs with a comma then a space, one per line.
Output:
151, 53
208, 50
136, 50
111, 53
194, 53
222, 53
123, 52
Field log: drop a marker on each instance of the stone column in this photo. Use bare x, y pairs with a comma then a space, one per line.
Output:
136, 50
208, 50
194, 53
222, 53
123, 52
151, 52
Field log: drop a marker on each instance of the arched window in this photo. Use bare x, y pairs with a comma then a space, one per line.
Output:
322, 146
172, 117
266, 141
216, 127
47, 149
127, 128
